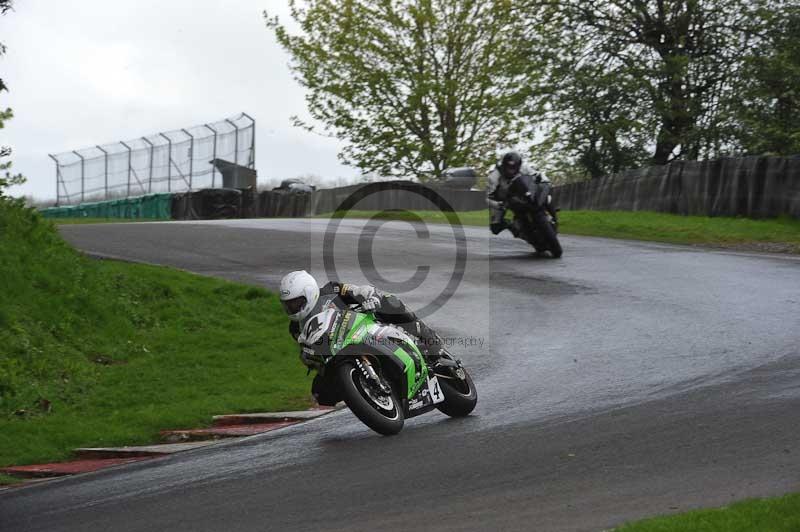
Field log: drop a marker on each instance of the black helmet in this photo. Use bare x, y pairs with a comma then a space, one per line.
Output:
510, 164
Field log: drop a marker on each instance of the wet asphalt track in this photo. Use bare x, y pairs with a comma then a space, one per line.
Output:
625, 380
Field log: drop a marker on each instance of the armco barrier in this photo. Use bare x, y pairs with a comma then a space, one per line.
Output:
754, 187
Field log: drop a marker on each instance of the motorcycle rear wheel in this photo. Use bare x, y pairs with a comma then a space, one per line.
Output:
384, 415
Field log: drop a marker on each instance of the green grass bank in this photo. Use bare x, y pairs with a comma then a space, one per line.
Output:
104, 353
73, 221
781, 234
781, 514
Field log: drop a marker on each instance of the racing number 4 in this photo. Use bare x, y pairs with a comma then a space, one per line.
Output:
435, 390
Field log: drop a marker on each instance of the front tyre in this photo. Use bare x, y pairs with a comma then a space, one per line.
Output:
460, 396
382, 413
549, 237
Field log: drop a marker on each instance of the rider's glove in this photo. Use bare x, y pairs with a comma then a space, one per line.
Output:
371, 304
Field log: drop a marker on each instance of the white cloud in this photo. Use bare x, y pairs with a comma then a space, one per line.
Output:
97, 71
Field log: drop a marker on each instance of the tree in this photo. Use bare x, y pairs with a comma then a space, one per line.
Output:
5, 6
766, 117
6, 179
671, 66
414, 86
593, 127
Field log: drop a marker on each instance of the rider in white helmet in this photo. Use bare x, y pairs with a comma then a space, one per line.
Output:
299, 294
302, 298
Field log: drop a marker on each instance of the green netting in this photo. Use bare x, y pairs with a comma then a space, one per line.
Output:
152, 206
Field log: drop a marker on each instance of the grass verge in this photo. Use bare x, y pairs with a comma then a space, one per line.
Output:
6, 480
104, 353
72, 221
782, 234
781, 514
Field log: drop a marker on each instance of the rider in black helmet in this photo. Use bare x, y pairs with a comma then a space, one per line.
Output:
510, 165
498, 180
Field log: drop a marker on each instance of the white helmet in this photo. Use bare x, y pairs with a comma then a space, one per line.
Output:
299, 294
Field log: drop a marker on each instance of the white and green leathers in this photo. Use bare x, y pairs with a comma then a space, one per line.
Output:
330, 330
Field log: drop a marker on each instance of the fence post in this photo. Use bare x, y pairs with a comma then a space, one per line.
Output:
235, 142
252, 163
128, 192
58, 178
150, 173
83, 174
191, 157
235, 151
213, 156
105, 170
169, 162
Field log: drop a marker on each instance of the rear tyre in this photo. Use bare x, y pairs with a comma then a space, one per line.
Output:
460, 396
381, 413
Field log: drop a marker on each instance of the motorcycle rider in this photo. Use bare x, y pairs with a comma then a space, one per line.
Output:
498, 181
302, 298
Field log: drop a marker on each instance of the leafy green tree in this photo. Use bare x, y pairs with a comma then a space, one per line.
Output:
6, 179
5, 6
766, 117
593, 127
658, 74
413, 86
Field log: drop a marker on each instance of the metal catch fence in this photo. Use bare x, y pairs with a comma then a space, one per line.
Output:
170, 161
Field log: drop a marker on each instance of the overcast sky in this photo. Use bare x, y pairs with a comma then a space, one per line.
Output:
97, 71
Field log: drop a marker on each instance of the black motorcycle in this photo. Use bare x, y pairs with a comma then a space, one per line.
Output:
529, 200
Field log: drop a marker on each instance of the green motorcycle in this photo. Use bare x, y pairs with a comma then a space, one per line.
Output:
378, 370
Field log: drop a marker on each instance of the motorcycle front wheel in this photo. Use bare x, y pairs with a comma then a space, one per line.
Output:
382, 413
549, 236
460, 396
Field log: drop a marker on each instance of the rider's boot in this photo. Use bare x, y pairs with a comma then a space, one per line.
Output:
499, 227
430, 344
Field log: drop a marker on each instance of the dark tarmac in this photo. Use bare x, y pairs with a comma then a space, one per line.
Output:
625, 380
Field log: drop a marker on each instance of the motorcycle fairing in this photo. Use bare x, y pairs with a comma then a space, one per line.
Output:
347, 329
